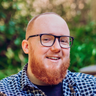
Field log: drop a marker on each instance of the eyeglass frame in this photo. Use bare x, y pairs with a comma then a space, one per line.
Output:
54, 39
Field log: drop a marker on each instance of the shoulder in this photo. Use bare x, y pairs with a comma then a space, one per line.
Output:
10, 81
81, 83
82, 76
82, 79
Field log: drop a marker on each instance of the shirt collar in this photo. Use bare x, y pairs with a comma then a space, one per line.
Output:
69, 78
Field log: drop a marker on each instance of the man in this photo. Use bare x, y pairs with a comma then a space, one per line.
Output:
47, 44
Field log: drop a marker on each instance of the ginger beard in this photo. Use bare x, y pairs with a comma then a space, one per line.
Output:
50, 76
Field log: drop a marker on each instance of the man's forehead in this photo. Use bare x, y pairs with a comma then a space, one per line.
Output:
45, 18
48, 21
48, 17
41, 16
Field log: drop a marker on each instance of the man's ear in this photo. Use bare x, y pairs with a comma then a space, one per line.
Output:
25, 46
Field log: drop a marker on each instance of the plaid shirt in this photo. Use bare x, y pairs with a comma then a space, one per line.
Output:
74, 84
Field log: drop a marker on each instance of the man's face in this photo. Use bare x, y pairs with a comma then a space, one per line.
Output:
48, 64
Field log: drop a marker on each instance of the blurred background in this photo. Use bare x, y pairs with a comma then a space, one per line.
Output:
80, 16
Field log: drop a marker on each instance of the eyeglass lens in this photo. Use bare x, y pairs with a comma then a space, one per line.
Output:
48, 40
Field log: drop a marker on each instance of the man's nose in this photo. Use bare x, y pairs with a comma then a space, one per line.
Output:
56, 46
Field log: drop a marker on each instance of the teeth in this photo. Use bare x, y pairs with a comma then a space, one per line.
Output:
53, 58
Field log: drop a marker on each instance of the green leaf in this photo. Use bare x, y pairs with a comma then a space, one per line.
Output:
2, 28
17, 41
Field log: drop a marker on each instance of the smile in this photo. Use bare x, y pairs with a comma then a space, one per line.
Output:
54, 58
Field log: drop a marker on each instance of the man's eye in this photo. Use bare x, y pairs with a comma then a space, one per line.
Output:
46, 39
64, 41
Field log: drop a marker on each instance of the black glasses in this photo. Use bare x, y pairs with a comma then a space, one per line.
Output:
48, 40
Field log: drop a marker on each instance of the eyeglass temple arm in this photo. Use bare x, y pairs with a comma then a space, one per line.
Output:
33, 36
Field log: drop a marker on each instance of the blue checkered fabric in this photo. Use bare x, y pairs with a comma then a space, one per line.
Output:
74, 84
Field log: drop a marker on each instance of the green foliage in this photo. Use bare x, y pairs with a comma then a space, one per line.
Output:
83, 51
12, 32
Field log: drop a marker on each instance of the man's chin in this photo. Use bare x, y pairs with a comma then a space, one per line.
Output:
54, 80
